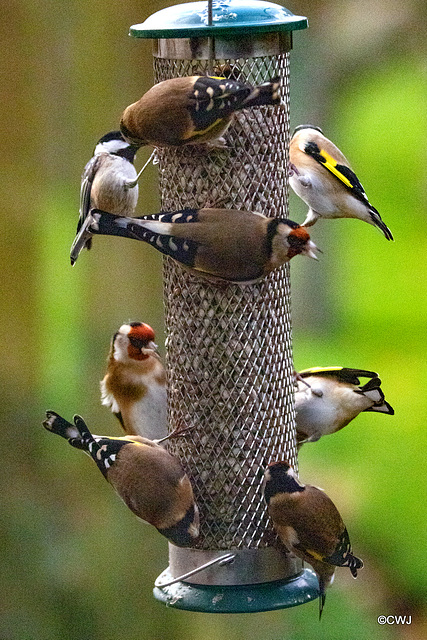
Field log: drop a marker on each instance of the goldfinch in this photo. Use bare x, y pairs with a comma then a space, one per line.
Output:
328, 398
237, 246
191, 110
146, 477
309, 525
134, 386
109, 181
321, 176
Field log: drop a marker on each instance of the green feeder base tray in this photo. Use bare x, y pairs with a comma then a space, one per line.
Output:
251, 598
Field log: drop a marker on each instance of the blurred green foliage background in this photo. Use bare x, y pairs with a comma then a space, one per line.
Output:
75, 563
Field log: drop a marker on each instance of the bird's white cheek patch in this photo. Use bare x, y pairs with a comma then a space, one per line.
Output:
111, 146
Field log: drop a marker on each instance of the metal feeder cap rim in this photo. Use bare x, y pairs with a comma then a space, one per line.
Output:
229, 17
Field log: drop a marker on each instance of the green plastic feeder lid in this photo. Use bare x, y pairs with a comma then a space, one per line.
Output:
229, 17
249, 598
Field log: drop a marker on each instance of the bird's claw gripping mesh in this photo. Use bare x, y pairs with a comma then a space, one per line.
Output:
229, 354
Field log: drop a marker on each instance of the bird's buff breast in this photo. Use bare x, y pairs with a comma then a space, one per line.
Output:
315, 416
148, 415
110, 195
315, 195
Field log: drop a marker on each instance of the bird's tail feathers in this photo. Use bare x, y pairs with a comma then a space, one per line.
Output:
383, 407
372, 390
77, 434
85, 439
83, 239
322, 595
57, 424
353, 563
374, 384
264, 94
378, 222
109, 224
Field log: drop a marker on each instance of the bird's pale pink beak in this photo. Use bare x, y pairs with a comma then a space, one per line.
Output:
310, 250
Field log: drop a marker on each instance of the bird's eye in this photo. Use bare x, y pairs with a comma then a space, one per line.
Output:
137, 342
311, 148
296, 242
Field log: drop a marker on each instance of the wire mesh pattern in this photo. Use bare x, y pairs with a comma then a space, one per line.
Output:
229, 352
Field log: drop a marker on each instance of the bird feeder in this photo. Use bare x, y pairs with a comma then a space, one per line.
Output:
228, 348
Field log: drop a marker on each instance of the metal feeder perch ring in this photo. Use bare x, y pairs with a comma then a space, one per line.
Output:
228, 349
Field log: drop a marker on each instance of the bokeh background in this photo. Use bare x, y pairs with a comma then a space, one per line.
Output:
75, 564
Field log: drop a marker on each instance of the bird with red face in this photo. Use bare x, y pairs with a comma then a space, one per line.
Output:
134, 386
219, 244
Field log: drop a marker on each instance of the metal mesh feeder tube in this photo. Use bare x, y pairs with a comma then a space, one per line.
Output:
228, 348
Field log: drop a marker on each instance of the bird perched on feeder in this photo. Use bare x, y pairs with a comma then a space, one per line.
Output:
309, 525
191, 110
109, 181
149, 480
134, 387
328, 398
321, 176
237, 246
